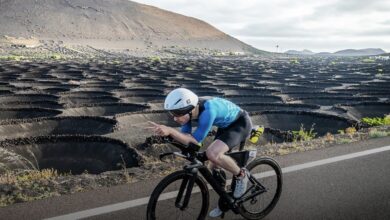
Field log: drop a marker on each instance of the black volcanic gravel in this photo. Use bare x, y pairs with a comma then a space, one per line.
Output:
117, 99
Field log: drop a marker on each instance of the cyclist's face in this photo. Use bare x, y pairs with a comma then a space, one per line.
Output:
182, 119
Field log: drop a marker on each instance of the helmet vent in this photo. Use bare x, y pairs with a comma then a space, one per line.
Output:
177, 101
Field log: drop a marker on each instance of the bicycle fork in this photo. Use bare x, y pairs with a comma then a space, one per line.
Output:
186, 189
187, 185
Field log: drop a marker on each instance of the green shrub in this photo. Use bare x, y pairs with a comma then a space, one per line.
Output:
304, 135
368, 60
345, 141
294, 61
155, 59
12, 57
377, 121
55, 56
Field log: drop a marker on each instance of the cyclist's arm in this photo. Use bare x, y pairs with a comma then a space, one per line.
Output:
187, 128
183, 138
205, 123
163, 130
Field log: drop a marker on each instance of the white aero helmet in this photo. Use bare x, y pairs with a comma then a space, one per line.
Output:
180, 101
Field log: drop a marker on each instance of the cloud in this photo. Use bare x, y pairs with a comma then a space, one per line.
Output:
385, 22
300, 23
282, 30
353, 7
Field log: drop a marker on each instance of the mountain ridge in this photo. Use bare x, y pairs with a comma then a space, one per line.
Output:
345, 52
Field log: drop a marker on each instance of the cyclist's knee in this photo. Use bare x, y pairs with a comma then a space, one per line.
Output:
213, 156
216, 150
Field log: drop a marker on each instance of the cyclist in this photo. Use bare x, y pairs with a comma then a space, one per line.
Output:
234, 126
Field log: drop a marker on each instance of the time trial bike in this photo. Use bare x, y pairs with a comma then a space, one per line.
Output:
184, 194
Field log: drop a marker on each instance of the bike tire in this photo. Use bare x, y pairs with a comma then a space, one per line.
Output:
173, 182
274, 174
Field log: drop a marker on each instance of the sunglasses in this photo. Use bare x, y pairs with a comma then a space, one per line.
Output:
176, 114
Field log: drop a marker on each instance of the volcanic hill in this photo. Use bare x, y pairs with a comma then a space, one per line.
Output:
109, 24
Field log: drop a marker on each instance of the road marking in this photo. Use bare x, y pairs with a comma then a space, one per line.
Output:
165, 196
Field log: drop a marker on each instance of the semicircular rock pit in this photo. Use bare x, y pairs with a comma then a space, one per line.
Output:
67, 154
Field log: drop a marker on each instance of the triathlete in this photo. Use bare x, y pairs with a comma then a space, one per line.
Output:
234, 126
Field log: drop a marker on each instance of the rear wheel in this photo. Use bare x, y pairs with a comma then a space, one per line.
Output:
268, 173
162, 201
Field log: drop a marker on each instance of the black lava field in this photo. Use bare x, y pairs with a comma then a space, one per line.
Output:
77, 116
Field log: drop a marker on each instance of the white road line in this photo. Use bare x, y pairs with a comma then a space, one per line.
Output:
144, 200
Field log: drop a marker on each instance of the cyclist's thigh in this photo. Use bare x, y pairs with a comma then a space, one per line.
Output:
237, 132
216, 148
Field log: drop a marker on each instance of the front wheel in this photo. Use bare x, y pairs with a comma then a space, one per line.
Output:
162, 202
269, 178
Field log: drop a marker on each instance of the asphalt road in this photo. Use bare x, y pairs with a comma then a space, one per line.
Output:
331, 183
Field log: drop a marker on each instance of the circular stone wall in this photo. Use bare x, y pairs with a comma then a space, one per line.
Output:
367, 109
56, 126
109, 109
334, 100
27, 98
293, 120
21, 113
253, 98
253, 107
74, 154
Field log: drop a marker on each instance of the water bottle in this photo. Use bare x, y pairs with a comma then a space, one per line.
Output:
255, 134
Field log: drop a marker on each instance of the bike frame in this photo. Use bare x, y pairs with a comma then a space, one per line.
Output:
187, 184
186, 178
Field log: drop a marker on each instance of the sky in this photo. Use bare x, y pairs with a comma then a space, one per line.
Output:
316, 25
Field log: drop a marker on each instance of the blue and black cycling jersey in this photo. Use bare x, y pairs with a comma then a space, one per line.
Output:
217, 112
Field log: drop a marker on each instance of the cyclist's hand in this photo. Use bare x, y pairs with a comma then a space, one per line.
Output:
158, 129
